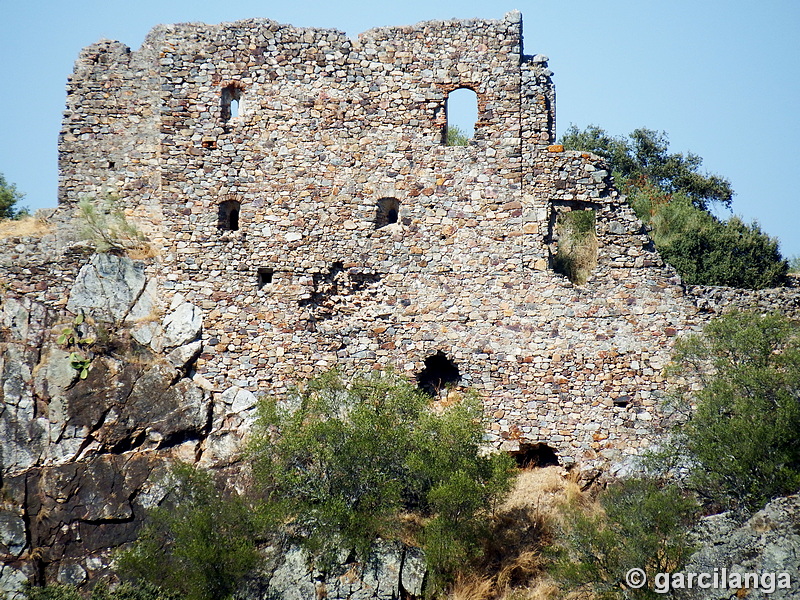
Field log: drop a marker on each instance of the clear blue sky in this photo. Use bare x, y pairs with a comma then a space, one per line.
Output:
722, 78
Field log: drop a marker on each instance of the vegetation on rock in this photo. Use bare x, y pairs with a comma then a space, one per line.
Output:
337, 465
105, 225
124, 591
341, 464
741, 431
198, 545
638, 523
669, 194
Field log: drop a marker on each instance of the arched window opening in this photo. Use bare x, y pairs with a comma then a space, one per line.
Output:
228, 215
387, 212
232, 102
535, 455
462, 114
438, 373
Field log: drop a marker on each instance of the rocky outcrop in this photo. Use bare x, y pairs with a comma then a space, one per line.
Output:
391, 571
766, 545
83, 456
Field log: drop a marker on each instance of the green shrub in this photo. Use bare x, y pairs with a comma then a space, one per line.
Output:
199, 545
456, 137
51, 592
743, 439
341, 465
704, 249
124, 591
641, 525
9, 197
669, 194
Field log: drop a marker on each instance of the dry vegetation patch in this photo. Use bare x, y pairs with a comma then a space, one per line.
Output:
24, 227
514, 565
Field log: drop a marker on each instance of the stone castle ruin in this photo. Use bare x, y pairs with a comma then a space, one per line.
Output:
305, 213
328, 224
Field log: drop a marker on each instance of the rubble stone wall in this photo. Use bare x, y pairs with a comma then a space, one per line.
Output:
326, 128
277, 258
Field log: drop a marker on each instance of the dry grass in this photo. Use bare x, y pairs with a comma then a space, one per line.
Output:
142, 251
472, 587
514, 566
25, 227
576, 256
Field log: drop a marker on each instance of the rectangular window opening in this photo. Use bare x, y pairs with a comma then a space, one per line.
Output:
265, 276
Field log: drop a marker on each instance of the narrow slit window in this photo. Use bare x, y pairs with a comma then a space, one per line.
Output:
231, 102
461, 110
387, 212
265, 277
228, 215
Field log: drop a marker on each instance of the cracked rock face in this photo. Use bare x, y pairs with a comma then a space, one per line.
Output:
81, 459
110, 288
767, 543
391, 571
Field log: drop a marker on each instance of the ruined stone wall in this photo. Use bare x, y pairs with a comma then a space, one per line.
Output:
328, 127
314, 275
311, 278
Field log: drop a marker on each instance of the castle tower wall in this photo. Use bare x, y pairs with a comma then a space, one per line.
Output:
302, 197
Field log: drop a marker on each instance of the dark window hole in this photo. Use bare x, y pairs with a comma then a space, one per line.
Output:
535, 455
228, 215
264, 277
622, 401
439, 371
386, 212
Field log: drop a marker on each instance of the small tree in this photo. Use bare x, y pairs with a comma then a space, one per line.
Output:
671, 195
644, 156
742, 442
456, 137
199, 545
9, 197
106, 226
640, 524
341, 465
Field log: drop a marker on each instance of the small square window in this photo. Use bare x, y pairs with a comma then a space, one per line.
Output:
265, 277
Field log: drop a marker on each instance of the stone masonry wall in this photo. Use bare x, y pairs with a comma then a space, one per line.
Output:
327, 127
311, 272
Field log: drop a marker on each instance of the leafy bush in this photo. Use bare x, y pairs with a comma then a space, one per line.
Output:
51, 592
705, 250
669, 194
124, 591
456, 137
644, 156
199, 546
9, 197
640, 525
341, 465
743, 440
